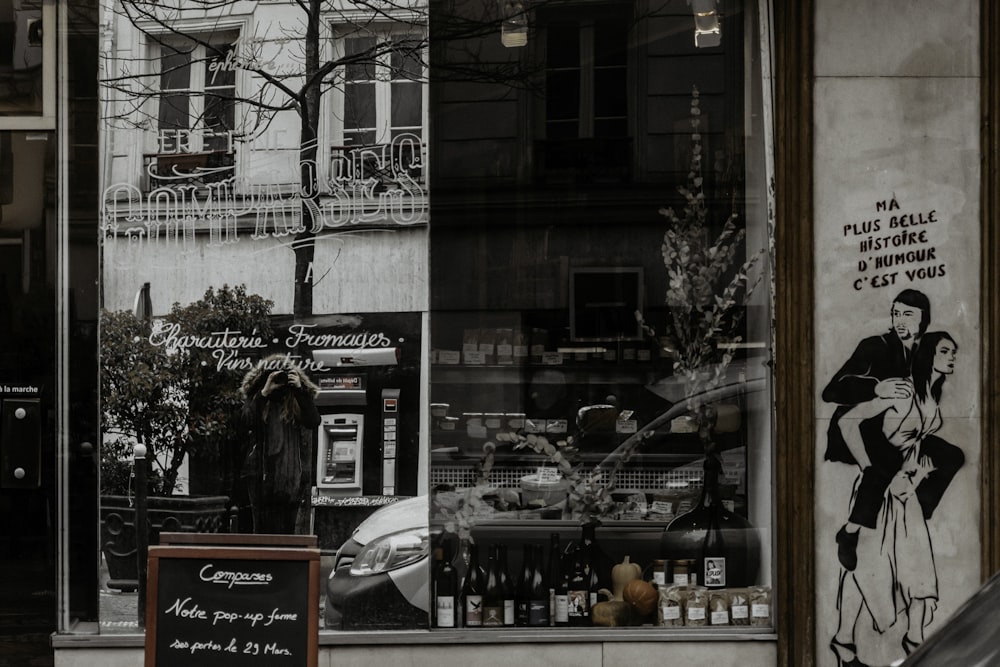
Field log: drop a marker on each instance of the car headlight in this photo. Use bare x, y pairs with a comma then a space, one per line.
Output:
391, 552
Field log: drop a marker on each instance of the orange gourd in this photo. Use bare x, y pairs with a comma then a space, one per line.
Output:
641, 595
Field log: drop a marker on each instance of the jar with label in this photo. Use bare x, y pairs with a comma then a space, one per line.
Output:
659, 573
760, 606
670, 610
696, 607
683, 572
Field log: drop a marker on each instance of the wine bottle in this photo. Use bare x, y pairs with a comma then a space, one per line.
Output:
599, 571
538, 598
578, 590
472, 590
445, 589
493, 591
509, 602
723, 544
557, 583
524, 585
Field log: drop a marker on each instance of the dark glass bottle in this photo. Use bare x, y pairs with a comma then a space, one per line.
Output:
578, 590
472, 591
557, 583
599, 566
493, 591
538, 596
509, 601
445, 589
724, 545
523, 593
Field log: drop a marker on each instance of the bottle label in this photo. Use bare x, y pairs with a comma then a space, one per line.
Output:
474, 610
761, 610
741, 611
593, 599
493, 616
671, 613
578, 604
680, 579
720, 618
659, 579
715, 571
508, 612
562, 609
445, 611
538, 612
521, 612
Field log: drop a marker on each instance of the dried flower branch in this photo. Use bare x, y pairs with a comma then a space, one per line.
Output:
706, 299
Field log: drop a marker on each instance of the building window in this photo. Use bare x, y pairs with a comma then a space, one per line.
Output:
197, 97
378, 112
586, 119
586, 75
383, 95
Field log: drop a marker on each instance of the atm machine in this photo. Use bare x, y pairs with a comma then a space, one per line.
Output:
340, 445
366, 447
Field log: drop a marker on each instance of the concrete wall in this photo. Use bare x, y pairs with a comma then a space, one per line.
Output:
897, 135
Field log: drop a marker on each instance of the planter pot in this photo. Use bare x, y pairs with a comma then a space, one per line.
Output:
171, 514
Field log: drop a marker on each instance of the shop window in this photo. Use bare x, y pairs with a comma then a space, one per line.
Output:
601, 413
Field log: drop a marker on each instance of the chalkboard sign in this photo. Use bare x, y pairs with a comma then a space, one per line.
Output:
222, 606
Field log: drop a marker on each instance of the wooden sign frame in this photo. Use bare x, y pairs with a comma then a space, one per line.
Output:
224, 608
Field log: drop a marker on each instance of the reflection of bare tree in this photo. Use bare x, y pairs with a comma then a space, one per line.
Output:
290, 65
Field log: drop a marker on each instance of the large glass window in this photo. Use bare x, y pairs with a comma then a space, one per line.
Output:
600, 387
565, 404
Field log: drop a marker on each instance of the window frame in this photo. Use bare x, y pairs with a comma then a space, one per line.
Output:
197, 92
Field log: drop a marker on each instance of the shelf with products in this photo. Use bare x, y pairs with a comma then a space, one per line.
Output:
608, 556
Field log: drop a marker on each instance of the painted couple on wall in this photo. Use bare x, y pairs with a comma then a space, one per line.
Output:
888, 397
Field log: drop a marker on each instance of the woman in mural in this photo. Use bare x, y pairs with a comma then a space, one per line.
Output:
895, 570
279, 405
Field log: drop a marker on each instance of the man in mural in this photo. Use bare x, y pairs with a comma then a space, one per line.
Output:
279, 406
880, 367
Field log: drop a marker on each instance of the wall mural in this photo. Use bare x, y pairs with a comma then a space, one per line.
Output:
888, 412
889, 439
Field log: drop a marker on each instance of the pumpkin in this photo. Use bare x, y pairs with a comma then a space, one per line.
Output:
641, 595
